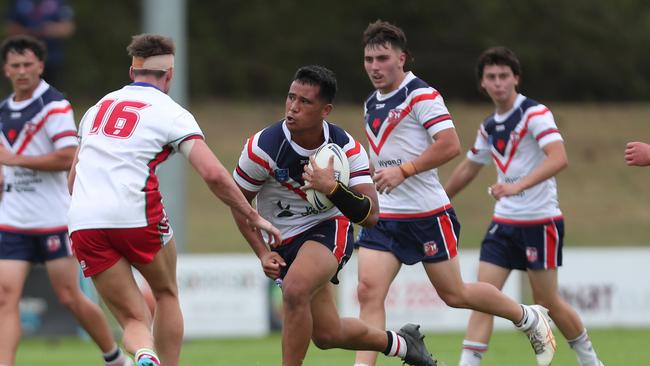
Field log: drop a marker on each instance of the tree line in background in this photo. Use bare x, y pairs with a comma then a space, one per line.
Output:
580, 50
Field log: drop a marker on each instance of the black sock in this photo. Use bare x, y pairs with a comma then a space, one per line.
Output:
389, 345
113, 355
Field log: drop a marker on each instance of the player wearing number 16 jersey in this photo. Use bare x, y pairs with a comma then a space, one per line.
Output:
116, 216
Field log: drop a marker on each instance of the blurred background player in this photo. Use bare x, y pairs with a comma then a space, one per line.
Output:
637, 154
527, 229
38, 144
49, 20
117, 218
411, 133
273, 168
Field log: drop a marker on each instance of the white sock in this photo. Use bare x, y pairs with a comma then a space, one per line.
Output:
472, 353
356, 364
147, 353
528, 321
584, 350
396, 345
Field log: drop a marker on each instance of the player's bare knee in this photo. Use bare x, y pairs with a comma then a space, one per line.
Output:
295, 296
66, 298
454, 299
549, 301
165, 293
324, 340
6, 298
369, 295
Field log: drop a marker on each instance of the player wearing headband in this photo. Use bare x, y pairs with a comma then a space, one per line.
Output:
117, 218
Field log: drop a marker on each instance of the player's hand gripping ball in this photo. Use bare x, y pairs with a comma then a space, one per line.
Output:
317, 199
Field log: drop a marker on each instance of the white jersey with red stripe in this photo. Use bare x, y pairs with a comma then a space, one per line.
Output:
124, 139
400, 126
514, 141
35, 201
272, 165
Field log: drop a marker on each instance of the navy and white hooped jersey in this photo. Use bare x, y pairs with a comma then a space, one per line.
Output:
35, 201
272, 165
515, 142
400, 126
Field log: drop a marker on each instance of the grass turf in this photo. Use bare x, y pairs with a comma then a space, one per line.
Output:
616, 347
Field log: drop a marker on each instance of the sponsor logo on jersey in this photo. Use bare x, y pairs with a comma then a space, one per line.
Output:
531, 254
285, 211
53, 243
380, 105
514, 137
282, 175
430, 248
394, 115
83, 265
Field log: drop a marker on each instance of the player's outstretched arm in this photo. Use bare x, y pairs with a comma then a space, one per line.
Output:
462, 175
57, 160
637, 154
224, 187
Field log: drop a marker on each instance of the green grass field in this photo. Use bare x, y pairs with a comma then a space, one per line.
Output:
604, 201
617, 347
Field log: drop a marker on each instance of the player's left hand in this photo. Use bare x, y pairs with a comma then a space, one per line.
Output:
320, 179
6, 156
637, 154
387, 179
500, 190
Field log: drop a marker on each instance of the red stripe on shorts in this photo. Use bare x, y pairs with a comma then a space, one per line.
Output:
448, 234
551, 246
341, 241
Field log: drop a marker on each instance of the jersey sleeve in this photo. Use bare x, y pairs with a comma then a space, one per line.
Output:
430, 110
253, 168
184, 128
480, 152
358, 161
542, 127
60, 126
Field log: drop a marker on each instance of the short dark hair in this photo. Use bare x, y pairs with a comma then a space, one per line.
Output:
497, 56
21, 43
381, 32
146, 45
318, 76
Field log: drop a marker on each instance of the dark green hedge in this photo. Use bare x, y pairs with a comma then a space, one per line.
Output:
583, 50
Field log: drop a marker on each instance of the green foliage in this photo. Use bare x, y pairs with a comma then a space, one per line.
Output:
570, 50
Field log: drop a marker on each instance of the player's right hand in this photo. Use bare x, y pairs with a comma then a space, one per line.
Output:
637, 154
272, 264
272, 233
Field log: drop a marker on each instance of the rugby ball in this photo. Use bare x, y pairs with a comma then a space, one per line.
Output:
317, 199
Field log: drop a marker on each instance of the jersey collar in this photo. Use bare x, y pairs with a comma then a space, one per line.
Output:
142, 83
